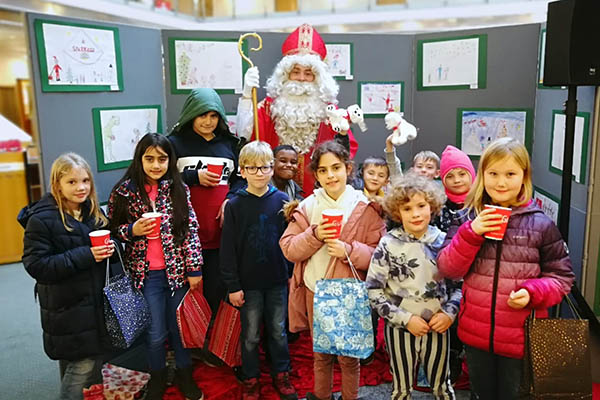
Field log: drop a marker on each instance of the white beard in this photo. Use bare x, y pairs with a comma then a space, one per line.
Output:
298, 112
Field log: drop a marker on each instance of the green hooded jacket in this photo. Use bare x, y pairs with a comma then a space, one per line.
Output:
199, 101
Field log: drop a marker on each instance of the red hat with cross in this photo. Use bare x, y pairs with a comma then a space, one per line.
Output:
304, 40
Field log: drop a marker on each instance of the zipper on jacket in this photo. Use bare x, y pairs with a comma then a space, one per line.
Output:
494, 290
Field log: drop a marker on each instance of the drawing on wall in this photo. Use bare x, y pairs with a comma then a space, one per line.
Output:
76, 57
339, 60
478, 128
582, 123
547, 203
452, 63
232, 122
380, 98
117, 131
190, 69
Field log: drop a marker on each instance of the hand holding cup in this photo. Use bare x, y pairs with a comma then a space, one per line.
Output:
143, 226
487, 221
102, 247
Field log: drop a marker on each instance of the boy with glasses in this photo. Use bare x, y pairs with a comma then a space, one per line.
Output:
254, 270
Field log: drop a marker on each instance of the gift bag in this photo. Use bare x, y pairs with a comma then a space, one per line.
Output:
193, 318
342, 322
556, 363
118, 383
126, 312
225, 336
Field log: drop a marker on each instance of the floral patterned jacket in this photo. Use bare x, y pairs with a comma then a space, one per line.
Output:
403, 278
180, 261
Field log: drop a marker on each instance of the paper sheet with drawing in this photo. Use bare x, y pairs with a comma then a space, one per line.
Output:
122, 130
80, 56
451, 62
214, 64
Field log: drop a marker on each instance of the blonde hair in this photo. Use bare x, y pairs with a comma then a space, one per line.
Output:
61, 167
406, 187
427, 155
499, 150
257, 153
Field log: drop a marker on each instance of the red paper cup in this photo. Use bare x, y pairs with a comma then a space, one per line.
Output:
502, 223
155, 234
100, 238
215, 169
335, 217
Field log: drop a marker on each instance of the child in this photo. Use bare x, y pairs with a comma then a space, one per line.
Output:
458, 174
427, 163
201, 138
164, 267
284, 171
309, 242
503, 280
254, 269
69, 273
405, 288
375, 176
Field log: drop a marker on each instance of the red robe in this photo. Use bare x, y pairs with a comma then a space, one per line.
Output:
267, 134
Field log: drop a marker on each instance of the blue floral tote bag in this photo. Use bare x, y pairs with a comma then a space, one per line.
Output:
342, 322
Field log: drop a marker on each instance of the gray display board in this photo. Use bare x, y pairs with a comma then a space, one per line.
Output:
390, 61
511, 82
65, 119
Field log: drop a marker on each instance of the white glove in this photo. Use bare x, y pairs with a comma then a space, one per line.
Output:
251, 80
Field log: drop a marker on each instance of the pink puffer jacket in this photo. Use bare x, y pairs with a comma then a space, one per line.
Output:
532, 256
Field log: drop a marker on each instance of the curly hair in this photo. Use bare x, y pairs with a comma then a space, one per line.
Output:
406, 187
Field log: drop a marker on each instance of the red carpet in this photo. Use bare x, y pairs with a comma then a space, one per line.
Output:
220, 383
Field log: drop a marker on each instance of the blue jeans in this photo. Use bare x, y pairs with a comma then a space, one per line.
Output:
270, 306
77, 375
163, 306
493, 377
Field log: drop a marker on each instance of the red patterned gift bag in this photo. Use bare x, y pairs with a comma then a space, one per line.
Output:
225, 337
193, 317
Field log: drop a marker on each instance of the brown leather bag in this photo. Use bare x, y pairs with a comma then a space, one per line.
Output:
557, 363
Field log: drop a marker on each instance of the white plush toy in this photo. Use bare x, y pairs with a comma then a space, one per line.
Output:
403, 130
340, 118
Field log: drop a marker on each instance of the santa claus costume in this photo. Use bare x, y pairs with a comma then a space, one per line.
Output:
293, 112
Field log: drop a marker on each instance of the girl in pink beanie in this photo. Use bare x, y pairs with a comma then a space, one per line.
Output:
458, 174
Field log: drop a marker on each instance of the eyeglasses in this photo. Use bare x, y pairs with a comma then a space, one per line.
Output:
252, 170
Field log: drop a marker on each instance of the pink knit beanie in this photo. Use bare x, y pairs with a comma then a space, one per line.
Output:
454, 158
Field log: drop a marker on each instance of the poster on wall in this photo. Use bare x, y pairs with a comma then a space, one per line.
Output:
452, 63
549, 204
476, 128
376, 99
339, 60
580, 146
117, 130
190, 67
78, 57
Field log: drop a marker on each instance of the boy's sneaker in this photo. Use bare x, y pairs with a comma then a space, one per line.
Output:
251, 389
282, 384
